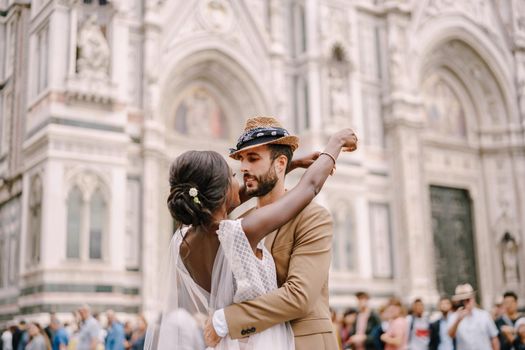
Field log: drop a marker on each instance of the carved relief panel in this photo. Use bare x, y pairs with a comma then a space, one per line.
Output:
444, 111
200, 114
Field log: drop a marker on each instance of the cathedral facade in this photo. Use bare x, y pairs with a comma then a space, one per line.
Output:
97, 97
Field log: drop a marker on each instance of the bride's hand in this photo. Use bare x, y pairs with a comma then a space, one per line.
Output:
210, 336
348, 139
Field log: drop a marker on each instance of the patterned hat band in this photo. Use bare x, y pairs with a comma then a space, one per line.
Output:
258, 136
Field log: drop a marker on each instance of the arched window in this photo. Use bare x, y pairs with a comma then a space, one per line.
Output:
87, 221
35, 222
74, 223
381, 240
97, 224
344, 241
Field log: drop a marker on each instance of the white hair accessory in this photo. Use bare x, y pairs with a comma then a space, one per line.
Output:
193, 192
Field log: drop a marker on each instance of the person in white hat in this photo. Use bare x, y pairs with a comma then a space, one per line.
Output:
472, 328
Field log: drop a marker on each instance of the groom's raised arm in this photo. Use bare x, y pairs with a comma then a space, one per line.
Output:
307, 275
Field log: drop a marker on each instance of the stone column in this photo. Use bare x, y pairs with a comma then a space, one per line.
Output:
404, 123
313, 74
518, 154
277, 53
153, 147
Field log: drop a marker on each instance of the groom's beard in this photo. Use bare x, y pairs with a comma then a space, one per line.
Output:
265, 183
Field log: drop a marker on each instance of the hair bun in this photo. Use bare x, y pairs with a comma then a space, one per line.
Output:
199, 182
183, 207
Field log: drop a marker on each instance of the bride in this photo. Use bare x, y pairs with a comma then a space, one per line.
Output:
214, 261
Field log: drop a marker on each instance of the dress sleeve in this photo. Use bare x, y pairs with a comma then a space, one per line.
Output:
244, 264
307, 275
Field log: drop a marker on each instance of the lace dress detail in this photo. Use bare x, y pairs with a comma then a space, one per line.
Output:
237, 275
252, 276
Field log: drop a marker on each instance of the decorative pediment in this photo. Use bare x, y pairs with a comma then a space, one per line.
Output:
230, 22
482, 12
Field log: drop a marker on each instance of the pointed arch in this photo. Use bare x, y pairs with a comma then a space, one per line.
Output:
436, 34
231, 95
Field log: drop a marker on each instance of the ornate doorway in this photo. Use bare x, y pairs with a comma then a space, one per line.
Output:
453, 238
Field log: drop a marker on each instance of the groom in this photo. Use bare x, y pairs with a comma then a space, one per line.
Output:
301, 250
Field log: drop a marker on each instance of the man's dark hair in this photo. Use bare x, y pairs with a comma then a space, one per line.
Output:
362, 294
510, 294
417, 300
349, 311
278, 150
445, 297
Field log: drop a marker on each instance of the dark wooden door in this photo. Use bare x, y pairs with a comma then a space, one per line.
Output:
453, 238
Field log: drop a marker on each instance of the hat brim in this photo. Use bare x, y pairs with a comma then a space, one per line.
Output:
463, 296
291, 140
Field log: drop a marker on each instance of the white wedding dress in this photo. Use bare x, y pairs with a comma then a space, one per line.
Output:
238, 275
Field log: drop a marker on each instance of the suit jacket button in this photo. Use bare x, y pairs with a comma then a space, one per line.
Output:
252, 329
243, 332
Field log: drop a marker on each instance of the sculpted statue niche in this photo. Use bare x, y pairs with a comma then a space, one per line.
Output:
93, 50
338, 83
509, 256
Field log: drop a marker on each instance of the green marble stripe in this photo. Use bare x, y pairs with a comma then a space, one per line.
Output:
10, 300
79, 288
96, 308
74, 123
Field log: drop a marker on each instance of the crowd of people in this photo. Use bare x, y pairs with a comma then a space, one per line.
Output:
458, 324
86, 332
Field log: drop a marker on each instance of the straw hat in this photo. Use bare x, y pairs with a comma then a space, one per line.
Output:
463, 291
260, 131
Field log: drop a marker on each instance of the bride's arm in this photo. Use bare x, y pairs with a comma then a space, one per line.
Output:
262, 221
300, 162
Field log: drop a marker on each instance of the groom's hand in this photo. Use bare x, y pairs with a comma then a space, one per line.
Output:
210, 336
304, 161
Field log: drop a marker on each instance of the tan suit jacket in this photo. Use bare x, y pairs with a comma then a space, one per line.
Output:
302, 253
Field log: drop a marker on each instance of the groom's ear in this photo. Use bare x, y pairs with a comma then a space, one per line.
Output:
280, 163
